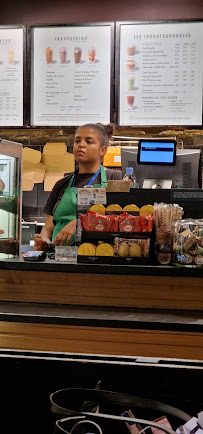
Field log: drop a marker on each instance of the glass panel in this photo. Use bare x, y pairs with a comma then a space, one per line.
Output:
9, 199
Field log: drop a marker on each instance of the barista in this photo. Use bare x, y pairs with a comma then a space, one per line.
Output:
90, 145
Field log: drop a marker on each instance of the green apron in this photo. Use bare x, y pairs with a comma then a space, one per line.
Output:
66, 209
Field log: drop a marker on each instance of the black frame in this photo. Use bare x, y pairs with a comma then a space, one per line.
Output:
117, 70
29, 63
25, 96
155, 141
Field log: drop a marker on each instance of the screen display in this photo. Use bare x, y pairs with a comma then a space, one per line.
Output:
156, 152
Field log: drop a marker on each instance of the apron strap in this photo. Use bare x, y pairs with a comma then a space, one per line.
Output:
103, 178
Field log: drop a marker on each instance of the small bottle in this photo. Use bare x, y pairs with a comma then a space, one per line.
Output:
129, 176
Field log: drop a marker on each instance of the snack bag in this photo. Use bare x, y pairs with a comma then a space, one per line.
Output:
126, 222
143, 224
150, 220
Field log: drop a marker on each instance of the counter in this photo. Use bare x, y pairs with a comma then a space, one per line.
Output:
124, 310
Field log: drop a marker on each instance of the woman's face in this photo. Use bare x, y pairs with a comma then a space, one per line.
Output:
87, 146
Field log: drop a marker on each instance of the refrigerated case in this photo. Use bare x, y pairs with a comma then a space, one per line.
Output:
10, 198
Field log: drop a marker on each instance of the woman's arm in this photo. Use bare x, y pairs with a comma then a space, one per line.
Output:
65, 234
47, 232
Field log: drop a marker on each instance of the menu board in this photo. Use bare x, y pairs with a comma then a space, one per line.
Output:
160, 74
71, 74
11, 76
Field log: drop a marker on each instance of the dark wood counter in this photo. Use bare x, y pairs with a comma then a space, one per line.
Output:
98, 309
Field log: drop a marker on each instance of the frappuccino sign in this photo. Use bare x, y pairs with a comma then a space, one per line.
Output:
70, 75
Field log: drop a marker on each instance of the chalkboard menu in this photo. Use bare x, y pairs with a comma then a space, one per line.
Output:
72, 74
11, 76
159, 73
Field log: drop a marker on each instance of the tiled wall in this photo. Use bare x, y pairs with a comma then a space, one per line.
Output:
36, 138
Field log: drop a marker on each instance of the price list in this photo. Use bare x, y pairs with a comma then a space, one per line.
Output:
71, 75
161, 74
11, 77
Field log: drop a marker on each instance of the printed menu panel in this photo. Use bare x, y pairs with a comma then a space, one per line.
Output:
161, 74
11, 76
71, 75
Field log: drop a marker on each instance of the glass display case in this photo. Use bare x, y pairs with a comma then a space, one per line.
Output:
10, 198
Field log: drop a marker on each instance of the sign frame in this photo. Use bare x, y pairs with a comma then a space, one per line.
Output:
30, 65
117, 71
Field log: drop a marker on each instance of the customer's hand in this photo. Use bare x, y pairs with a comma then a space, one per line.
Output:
65, 234
40, 244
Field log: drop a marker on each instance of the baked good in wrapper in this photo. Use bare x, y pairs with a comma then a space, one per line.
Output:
93, 221
129, 223
104, 249
123, 249
131, 208
99, 208
135, 250
114, 207
128, 247
87, 249
146, 210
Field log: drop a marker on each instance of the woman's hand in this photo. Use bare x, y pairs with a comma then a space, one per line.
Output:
40, 244
65, 234
47, 232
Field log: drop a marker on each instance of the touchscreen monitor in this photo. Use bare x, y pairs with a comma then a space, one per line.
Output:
156, 152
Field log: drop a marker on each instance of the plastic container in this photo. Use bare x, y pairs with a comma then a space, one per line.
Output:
66, 253
129, 176
188, 243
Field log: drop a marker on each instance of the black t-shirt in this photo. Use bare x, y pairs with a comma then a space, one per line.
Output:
82, 179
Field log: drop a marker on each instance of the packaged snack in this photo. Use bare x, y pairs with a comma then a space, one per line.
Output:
99, 208
104, 249
131, 208
143, 223
135, 250
137, 224
114, 207
188, 243
102, 223
126, 223
87, 249
123, 249
146, 210
131, 247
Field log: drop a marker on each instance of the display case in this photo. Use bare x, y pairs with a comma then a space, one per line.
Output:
10, 198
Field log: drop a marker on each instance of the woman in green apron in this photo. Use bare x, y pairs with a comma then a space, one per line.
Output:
91, 142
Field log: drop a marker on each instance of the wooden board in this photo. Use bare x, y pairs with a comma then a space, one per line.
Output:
101, 340
102, 290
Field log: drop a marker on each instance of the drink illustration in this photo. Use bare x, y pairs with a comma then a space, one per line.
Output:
131, 83
63, 54
11, 54
131, 49
49, 55
130, 101
77, 54
92, 54
130, 64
